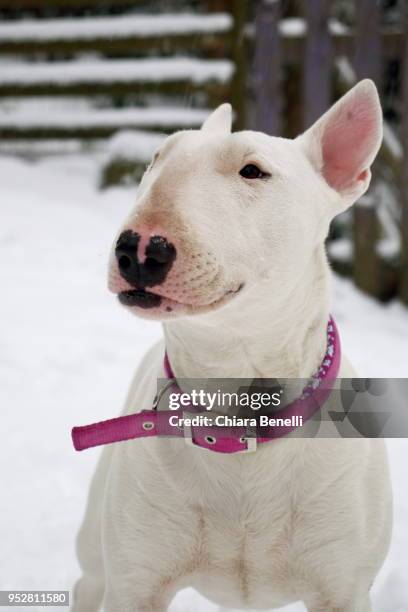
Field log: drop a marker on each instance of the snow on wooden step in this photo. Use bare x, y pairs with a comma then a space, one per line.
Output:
39, 148
116, 71
132, 117
114, 27
133, 145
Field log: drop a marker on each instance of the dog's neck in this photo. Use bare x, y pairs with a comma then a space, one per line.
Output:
265, 333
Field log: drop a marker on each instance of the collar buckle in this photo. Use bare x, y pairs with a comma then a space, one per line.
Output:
188, 430
250, 437
251, 440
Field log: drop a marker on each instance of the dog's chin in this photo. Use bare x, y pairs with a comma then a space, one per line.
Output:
152, 305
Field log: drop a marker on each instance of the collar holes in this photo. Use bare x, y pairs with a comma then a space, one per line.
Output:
148, 425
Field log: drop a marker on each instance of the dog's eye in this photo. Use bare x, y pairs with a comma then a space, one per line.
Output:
250, 171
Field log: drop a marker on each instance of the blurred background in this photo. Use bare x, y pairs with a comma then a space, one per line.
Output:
115, 76
88, 90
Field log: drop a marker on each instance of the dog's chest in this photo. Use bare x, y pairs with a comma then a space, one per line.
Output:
244, 526
244, 530
246, 547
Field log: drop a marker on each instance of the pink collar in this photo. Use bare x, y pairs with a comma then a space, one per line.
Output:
218, 438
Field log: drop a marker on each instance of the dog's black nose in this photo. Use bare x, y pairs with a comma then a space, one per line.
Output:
126, 255
159, 257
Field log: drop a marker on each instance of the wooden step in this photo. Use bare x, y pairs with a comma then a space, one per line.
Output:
44, 6
95, 123
35, 149
125, 34
178, 76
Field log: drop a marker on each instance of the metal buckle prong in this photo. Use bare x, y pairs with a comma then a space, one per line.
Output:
162, 391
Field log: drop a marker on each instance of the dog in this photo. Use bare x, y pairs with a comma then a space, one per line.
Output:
226, 247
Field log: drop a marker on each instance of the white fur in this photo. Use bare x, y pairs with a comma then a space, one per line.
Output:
300, 519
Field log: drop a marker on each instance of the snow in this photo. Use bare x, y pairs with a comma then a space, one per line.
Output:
368, 200
22, 118
136, 146
67, 354
140, 25
338, 28
296, 26
388, 248
34, 148
392, 143
341, 249
117, 71
346, 71
389, 245
43, 105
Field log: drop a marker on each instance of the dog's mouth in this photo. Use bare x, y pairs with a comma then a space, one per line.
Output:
148, 300
140, 298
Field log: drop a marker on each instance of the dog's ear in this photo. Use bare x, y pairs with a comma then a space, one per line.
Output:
343, 143
219, 121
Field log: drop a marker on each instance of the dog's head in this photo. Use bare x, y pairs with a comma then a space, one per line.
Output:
220, 213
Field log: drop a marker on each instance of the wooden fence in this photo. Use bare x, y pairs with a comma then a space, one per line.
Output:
182, 58
327, 58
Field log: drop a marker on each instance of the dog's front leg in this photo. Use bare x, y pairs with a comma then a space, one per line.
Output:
133, 596
139, 581
359, 604
88, 591
144, 573
151, 545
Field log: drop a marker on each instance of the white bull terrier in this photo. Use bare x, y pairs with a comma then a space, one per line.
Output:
226, 247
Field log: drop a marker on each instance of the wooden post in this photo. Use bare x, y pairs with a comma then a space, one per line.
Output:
239, 55
368, 41
367, 264
217, 6
404, 177
317, 62
267, 68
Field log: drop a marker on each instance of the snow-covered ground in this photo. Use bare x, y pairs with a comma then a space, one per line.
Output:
67, 353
